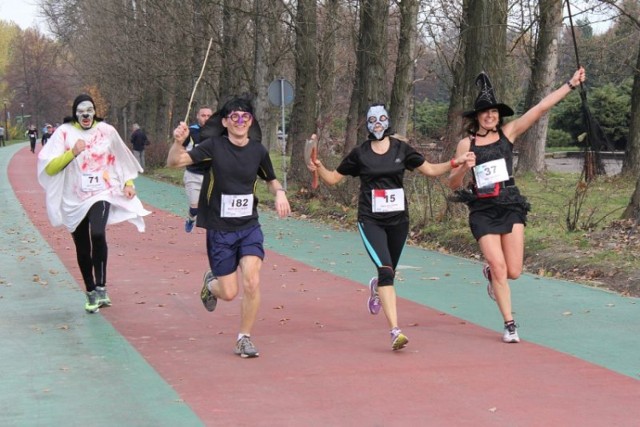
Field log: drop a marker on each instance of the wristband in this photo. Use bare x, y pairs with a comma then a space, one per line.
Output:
281, 189
572, 87
453, 164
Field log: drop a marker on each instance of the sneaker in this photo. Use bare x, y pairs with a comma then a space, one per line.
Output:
245, 348
374, 300
398, 339
102, 297
486, 271
92, 306
208, 299
510, 333
188, 224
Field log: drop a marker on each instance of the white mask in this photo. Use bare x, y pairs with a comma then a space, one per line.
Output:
377, 115
85, 112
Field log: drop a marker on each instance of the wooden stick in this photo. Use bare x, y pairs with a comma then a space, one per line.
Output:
193, 92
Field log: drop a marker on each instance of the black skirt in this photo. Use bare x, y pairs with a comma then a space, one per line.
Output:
497, 215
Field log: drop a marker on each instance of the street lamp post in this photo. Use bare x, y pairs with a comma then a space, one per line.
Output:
6, 122
22, 117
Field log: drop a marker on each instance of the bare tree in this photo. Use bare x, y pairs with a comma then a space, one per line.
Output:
405, 65
483, 34
543, 72
303, 116
371, 67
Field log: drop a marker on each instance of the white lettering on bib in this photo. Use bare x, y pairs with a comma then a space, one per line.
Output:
92, 181
487, 174
236, 205
387, 200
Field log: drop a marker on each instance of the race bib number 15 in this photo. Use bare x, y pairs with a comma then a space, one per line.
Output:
387, 200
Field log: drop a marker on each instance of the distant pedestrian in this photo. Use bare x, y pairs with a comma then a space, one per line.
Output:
1, 136
32, 133
46, 134
139, 142
87, 172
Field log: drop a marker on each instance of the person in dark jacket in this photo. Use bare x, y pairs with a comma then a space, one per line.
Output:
139, 141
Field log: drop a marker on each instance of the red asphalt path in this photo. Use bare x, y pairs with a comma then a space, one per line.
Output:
324, 360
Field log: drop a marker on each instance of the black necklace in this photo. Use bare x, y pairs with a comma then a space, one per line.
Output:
486, 133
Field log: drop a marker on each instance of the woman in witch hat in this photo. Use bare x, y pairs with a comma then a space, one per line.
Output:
497, 210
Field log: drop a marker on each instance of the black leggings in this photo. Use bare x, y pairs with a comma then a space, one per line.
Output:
384, 245
91, 245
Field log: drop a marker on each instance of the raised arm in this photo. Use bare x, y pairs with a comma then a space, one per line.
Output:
517, 127
178, 156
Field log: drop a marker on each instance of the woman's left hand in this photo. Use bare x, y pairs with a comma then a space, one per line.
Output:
129, 191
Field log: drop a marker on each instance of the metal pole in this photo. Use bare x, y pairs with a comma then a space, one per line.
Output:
284, 138
6, 122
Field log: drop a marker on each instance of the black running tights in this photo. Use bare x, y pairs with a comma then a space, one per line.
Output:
91, 245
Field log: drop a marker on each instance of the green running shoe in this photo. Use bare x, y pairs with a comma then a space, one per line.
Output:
102, 297
92, 306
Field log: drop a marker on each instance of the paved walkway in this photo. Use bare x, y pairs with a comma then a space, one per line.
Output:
157, 358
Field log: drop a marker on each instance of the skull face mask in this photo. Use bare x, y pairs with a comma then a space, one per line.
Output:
377, 121
85, 112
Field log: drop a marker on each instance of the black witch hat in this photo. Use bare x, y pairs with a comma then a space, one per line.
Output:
487, 99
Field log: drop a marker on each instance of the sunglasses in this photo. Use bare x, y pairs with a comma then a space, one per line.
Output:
374, 119
239, 117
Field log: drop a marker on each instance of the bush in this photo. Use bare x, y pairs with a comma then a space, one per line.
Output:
559, 138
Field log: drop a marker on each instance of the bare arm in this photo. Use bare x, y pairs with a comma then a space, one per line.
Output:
178, 156
456, 177
520, 125
437, 169
281, 202
328, 177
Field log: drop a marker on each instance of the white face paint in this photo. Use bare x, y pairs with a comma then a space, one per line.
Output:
377, 121
85, 112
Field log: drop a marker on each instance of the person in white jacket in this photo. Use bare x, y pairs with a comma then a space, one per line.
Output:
87, 172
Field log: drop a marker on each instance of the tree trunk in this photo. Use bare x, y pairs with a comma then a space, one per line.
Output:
631, 163
303, 115
327, 69
401, 98
483, 47
531, 145
370, 84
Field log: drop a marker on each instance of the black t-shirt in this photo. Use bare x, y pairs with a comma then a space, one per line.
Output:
380, 172
192, 141
233, 173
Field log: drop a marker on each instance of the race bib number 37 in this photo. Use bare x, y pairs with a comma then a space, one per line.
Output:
487, 174
387, 200
236, 205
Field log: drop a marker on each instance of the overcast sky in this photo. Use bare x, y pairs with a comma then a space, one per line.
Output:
22, 12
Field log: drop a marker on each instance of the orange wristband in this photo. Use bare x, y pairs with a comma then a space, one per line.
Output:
453, 164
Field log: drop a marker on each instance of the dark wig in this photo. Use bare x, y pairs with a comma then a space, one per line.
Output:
81, 98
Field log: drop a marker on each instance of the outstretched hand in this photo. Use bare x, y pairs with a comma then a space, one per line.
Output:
468, 160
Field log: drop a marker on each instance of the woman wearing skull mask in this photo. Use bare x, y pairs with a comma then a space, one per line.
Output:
497, 210
87, 172
383, 216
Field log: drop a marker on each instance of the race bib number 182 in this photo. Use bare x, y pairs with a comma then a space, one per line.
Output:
236, 205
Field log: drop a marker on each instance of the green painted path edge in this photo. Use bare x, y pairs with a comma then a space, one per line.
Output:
62, 366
